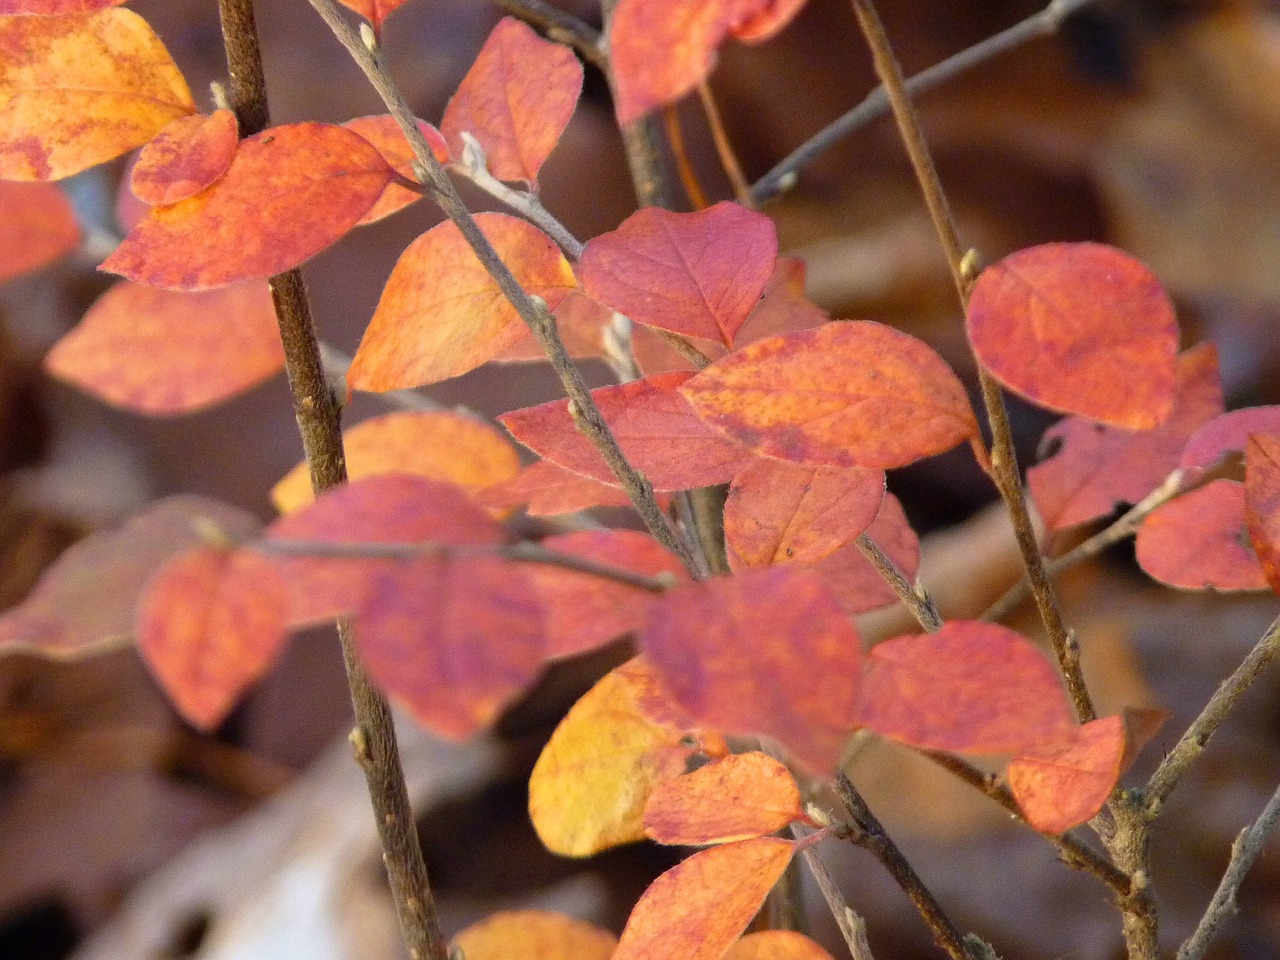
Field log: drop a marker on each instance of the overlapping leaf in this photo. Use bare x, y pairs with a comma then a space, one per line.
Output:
1079, 327
533, 935
1227, 434
546, 489
441, 314
166, 352
776, 945
187, 156
581, 323
516, 100
1200, 540
78, 90
697, 274
1262, 502
290, 192
38, 227
856, 394
385, 134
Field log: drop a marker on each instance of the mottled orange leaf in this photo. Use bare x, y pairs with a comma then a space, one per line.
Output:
383, 508
739, 797
1200, 540
583, 611
516, 100
211, 622
1097, 467
972, 687
698, 908
375, 11
1262, 502
697, 274
660, 433
441, 314
855, 394
780, 512
546, 489
718, 644
385, 134
1079, 327
54, 7
581, 323
452, 638
776, 945
1225, 435
86, 600
588, 789
189, 154
534, 935
290, 192
37, 228
452, 447
78, 90
167, 352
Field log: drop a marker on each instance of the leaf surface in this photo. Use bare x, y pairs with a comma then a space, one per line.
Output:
386, 136
776, 945
1227, 434
187, 156
49, 8
1262, 502
375, 11
38, 227
547, 489
534, 935
1201, 540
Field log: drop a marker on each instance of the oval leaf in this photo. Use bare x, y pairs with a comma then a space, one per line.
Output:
776, 945
188, 155
1062, 786
1262, 502
533, 935
37, 228
1201, 540
1225, 435
546, 489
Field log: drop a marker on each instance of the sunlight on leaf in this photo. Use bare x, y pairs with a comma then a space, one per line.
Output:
534, 935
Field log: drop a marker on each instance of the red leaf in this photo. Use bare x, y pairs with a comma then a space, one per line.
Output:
452, 639
661, 435
389, 140
375, 11
38, 227
1098, 467
211, 623
972, 687
54, 7
886, 399
717, 645
547, 489
289, 193
1079, 327
187, 156
516, 100
1200, 540
166, 352
766, 19
1226, 434
441, 314
1262, 502
697, 274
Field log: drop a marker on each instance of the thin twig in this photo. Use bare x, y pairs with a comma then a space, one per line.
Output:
724, 149
876, 104
561, 27
913, 596
684, 348
1243, 854
852, 927
684, 167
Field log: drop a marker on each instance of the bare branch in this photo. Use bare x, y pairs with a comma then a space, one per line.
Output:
852, 927
560, 27
913, 596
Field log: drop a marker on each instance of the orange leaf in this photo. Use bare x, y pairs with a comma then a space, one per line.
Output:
37, 228
1262, 502
886, 399
453, 639
289, 193
166, 352
581, 323
780, 512
457, 449
697, 274
78, 90
1098, 467
739, 797
385, 134
533, 935
548, 489
1226, 434
211, 623
584, 612
661, 435
776, 945
442, 315
50, 8
698, 908
972, 687
375, 11
86, 600
187, 156
588, 789
1079, 327
718, 644
1200, 540
516, 100
766, 19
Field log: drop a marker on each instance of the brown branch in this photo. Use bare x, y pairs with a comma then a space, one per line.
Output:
913, 596
724, 149
560, 27
852, 927
319, 421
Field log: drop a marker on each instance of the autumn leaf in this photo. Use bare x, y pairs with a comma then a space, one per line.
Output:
187, 156
516, 100
581, 323
441, 314
389, 140
290, 192
660, 433
776, 945
167, 352
211, 622
739, 797
452, 447
1262, 502
763, 651
1081, 328
855, 394
375, 11
1097, 467
1201, 540
533, 935
1227, 434
698, 908
546, 489
38, 227
85, 601
697, 274
49, 8
971, 687
78, 90
762, 20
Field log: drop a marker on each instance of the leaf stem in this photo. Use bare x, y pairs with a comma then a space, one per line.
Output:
675, 139
913, 596
724, 149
